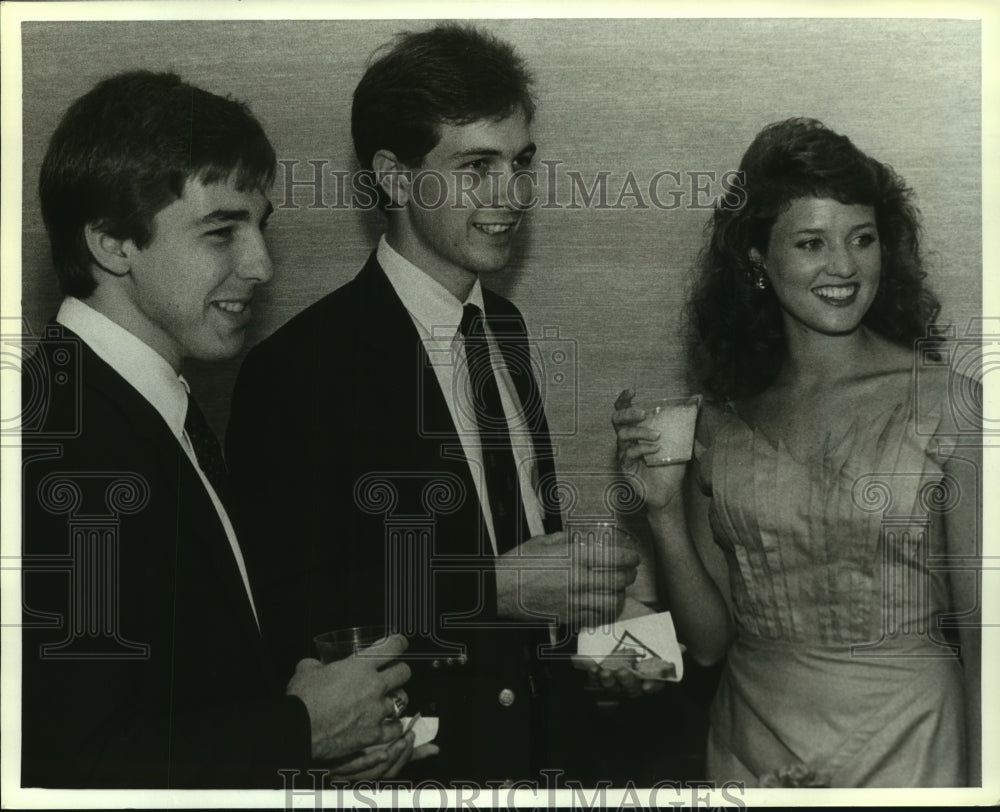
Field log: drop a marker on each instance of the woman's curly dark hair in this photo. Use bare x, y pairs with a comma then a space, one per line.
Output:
737, 340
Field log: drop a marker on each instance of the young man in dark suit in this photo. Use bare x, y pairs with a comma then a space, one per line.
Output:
143, 662
408, 452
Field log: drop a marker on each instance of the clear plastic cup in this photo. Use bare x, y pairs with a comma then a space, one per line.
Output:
675, 419
598, 546
341, 643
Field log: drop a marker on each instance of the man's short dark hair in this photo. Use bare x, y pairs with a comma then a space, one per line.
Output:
124, 151
452, 74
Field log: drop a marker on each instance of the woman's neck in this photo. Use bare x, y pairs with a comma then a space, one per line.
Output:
813, 359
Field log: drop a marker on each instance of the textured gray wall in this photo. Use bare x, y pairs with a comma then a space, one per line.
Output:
614, 95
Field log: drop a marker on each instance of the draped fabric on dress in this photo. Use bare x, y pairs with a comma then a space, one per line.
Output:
837, 664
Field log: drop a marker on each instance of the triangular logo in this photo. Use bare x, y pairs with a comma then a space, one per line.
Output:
632, 645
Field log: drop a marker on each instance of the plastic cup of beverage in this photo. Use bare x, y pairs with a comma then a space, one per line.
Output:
601, 540
341, 643
675, 419
599, 545
600, 532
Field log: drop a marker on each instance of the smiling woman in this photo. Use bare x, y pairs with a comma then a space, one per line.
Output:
823, 262
776, 559
818, 211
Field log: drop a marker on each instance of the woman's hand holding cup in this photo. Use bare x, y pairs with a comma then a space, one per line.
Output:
639, 446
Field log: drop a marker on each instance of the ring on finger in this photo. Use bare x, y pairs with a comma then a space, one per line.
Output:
398, 703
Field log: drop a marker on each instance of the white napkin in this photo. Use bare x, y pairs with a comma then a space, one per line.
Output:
425, 730
646, 638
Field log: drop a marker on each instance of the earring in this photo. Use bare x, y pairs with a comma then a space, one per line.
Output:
758, 277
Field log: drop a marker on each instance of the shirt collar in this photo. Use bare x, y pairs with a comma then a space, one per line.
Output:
427, 301
140, 365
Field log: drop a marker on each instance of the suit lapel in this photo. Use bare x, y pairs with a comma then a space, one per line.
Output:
403, 371
511, 334
202, 520
424, 434
198, 521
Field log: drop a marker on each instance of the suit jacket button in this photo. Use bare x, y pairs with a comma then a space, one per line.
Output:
506, 697
435, 663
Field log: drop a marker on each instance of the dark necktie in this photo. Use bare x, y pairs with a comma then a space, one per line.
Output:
510, 525
206, 448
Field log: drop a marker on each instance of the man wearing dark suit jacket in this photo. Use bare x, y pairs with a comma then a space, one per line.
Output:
143, 662
413, 475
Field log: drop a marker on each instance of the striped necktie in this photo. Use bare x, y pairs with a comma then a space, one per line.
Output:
510, 525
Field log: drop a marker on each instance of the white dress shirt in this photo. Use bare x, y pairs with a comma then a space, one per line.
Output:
152, 377
437, 315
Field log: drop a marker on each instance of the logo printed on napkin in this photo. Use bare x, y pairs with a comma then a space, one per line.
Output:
647, 645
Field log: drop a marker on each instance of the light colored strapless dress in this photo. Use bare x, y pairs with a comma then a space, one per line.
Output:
838, 666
